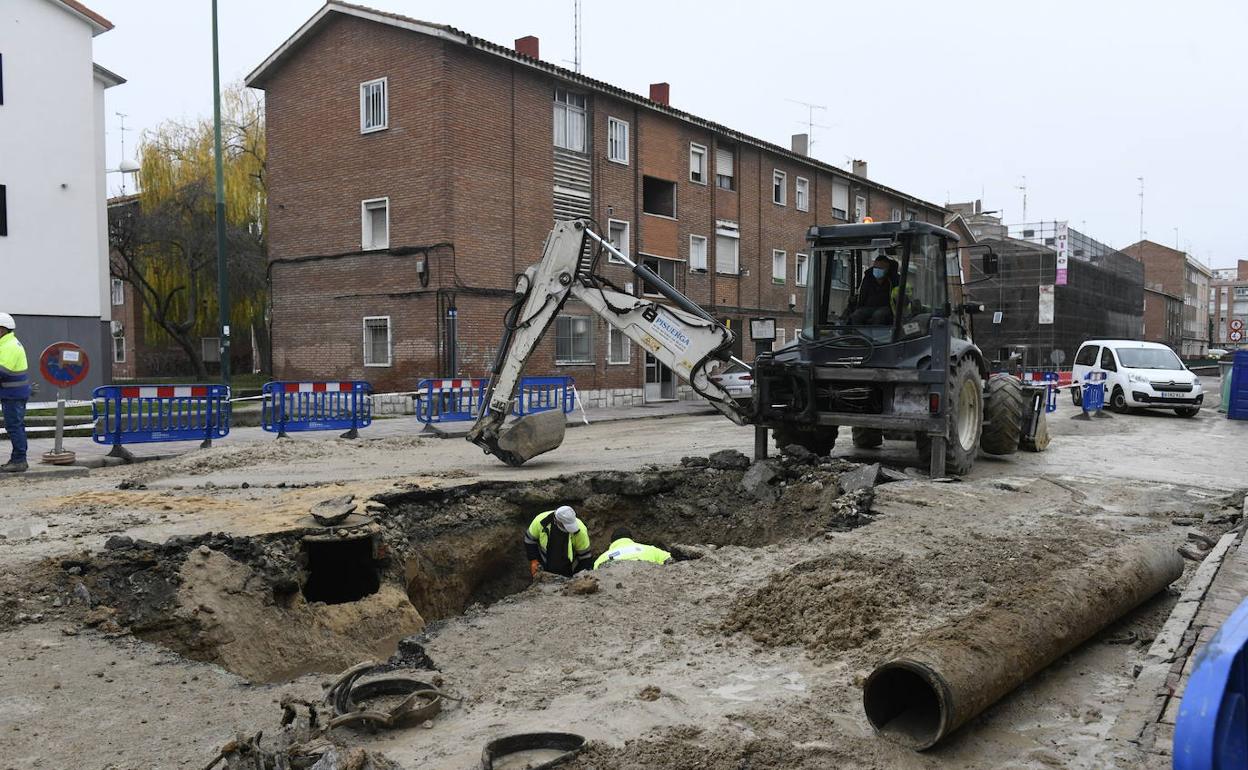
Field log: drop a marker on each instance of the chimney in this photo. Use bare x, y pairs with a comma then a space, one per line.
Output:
528, 46
860, 168
801, 144
661, 93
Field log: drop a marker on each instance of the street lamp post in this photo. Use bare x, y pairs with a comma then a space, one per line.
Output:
223, 288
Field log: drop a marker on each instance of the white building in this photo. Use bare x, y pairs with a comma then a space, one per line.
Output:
53, 223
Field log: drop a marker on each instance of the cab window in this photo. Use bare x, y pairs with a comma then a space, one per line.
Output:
1107, 360
1087, 355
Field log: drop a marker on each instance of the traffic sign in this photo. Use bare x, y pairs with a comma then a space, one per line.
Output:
64, 364
1236, 336
1237, 324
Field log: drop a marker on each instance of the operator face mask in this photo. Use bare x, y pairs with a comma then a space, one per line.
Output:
878, 272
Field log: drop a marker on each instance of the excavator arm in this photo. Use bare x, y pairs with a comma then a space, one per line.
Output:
682, 336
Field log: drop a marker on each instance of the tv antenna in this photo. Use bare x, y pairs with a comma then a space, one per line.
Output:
123, 131
810, 123
1142, 233
1023, 187
576, 35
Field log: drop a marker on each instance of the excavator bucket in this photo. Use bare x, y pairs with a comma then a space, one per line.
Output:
531, 435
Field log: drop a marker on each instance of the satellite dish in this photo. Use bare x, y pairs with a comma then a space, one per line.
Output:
1057, 356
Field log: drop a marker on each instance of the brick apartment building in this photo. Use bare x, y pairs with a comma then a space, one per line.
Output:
414, 170
1175, 274
1228, 304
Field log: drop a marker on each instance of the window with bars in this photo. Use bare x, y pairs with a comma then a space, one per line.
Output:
779, 187
724, 178
697, 163
779, 265
617, 140
896, 215
375, 224
117, 291
374, 105
697, 253
619, 347
119, 350
617, 236
574, 340
860, 208
801, 194
377, 340
569, 120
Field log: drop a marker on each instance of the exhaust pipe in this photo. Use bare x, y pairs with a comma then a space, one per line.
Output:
957, 671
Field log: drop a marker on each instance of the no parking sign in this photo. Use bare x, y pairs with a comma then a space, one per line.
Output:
64, 364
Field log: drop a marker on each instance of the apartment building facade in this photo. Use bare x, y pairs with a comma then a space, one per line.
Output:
1228, 307
1178, 274
414, 170
53, 233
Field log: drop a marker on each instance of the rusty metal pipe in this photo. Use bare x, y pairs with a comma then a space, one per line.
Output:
957, 671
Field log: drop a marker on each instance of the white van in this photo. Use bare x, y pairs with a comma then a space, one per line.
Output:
1139, 374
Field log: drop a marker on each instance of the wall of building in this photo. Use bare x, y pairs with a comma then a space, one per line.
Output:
1104, 298
1175, 272
52, 163
467, 163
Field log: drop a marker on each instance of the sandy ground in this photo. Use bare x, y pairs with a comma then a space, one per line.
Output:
727, 695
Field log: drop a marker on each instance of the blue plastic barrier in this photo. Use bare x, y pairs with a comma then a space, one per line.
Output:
541, 394
449, 399
1050, 391
1237, 406
1093, 392
300, 406
1211, 732
143, 414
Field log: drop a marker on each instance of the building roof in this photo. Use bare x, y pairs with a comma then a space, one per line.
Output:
98, 23
260, 75
108, 77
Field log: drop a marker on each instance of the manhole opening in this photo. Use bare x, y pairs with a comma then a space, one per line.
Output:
341, 570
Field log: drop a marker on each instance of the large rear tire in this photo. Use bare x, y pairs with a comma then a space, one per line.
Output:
868, 438
820, 440
966, 421
1003, 415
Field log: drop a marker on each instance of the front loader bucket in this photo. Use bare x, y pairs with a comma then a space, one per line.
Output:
530, 436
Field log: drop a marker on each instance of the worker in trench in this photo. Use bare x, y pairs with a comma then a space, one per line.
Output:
624, 548
556, 541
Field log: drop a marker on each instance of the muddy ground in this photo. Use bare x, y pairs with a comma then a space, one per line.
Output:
135, 637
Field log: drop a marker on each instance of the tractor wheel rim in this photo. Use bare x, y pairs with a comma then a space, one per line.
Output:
966, 414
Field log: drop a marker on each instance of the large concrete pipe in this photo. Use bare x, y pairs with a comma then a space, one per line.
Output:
957, 671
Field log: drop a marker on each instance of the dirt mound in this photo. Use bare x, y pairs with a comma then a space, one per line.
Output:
839, 604
222, 618
691, 748
829, 605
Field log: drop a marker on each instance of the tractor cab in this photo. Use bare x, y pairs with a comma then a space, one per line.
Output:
878, 283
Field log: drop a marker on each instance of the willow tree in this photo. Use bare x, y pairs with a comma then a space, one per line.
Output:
164, 244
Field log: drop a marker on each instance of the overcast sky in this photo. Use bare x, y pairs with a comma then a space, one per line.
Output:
949, 101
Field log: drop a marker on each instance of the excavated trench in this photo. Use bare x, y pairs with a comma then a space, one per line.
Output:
320, 599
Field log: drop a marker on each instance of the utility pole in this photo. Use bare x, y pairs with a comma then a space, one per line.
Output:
1023, 187
1141, 206
223, 286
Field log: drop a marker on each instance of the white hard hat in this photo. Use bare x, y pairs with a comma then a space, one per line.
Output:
567, 519
7, 321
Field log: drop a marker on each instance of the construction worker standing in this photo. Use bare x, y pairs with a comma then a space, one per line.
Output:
556, 541
14, 392
623, 548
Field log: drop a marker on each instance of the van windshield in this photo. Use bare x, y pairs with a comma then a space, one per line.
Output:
1148, 358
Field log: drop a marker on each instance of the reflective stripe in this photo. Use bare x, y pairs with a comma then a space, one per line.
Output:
627, 550
14, 383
